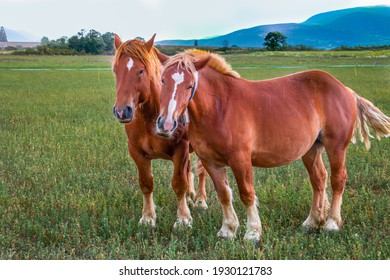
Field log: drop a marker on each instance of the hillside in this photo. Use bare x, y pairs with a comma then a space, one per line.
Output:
364, 26
20, 36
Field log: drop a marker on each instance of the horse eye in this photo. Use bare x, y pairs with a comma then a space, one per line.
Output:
141, 72
163, 81
190, 87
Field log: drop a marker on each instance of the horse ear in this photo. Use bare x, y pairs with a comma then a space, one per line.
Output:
162, 57
149, 44
201, 63
117, 41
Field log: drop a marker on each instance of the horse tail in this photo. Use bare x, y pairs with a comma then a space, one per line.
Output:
369, 116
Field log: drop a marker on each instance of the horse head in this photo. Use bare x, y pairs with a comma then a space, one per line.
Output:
179, 83
136, 66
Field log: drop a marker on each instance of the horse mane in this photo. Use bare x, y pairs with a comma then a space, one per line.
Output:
185, 60
136, 49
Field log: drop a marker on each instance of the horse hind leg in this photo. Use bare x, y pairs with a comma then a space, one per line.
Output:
190, 191
338, 180
318, 178
230, 221
200, 197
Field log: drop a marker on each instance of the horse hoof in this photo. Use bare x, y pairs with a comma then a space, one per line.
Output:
252, 235
183, 223
309, 223
148, 221
331, 225
226, 234
201, 204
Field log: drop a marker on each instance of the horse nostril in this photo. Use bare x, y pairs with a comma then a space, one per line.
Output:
158, 122
128, 112
124, 114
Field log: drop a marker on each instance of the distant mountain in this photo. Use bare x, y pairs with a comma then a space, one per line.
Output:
20, 36
362, 26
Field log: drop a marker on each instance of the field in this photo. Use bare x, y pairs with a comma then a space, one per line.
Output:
68, 187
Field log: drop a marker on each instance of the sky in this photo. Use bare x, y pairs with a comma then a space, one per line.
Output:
170, 19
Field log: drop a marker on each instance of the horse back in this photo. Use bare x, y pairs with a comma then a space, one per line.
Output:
316, 94
334, 104
287, 115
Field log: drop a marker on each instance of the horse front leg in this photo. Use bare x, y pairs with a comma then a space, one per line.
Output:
145, 180
230, 221
242, 170
181, 183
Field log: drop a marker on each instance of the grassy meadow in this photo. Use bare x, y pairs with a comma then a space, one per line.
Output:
69, 190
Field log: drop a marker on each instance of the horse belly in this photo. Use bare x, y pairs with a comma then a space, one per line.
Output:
275, 158
283, 146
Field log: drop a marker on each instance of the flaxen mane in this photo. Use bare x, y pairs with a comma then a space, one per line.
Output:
186, 60
136, 49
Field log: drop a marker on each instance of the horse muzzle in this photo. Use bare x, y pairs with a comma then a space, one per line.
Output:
165, 128
124, 115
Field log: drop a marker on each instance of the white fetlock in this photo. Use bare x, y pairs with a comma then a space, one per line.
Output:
148, 221
309, 222
331, 225
190, 200
183, 222
226, 232
252, 235
200, 203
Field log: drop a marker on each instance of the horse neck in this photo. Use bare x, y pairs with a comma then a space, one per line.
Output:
210, 93
152, 104
150, 108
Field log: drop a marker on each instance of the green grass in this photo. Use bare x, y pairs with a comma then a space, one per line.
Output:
68, 187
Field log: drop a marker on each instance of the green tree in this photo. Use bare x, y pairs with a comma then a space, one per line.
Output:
74, 43
44, 41
77, 42
275, 41
108, 39
94, 43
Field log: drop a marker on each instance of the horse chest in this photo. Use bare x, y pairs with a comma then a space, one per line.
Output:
155, 148
148, 144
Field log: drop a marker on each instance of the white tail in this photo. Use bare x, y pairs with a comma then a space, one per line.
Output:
369, 116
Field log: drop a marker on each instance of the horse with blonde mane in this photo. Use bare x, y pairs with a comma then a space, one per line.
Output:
240, 123
137, 70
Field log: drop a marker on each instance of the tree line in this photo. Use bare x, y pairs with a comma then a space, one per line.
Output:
84, 42
93, 42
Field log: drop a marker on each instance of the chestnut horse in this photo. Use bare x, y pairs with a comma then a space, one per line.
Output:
137, 70
240, 123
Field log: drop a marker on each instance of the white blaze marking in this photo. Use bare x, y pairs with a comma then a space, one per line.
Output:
178, 78
130, 64
196, 77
